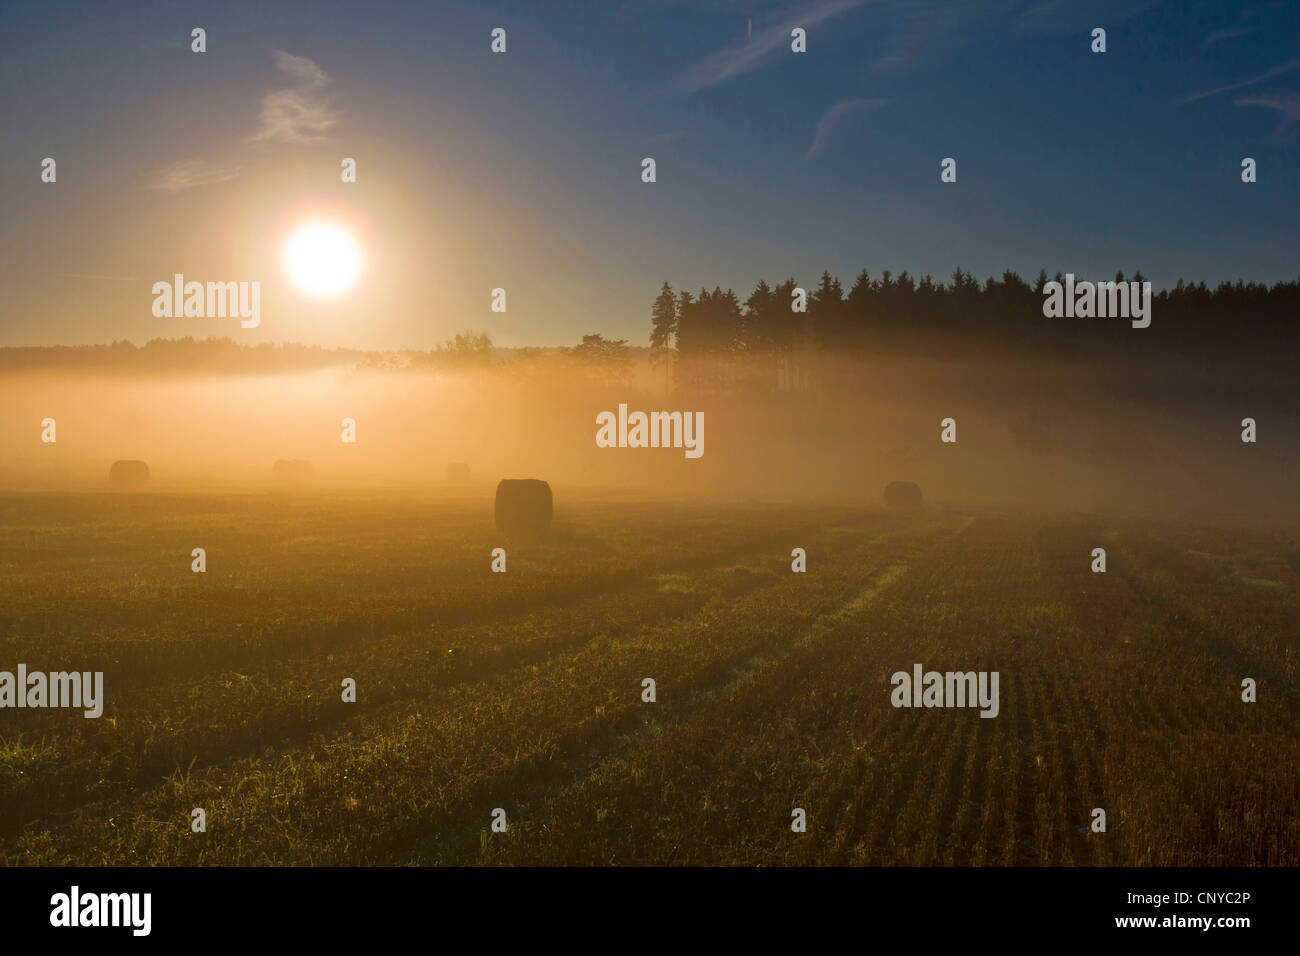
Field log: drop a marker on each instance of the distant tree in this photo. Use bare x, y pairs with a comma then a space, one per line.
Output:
727, 321
685, 310
760, 319
826, 312
597, 348
860, 309
663, 321
467, 348
663, 331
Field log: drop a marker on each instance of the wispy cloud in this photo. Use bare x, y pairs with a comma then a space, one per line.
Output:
771, 38
1290, 66
1226, 34
1288, 104
189, 173
837, 119
301, 113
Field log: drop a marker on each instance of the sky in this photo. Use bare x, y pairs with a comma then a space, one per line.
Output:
522, 170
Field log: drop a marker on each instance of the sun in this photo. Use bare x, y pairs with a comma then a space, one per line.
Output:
322, 259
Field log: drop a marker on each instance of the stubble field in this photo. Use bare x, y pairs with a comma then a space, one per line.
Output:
523, 690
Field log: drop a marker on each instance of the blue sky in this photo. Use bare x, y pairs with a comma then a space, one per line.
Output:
522, 170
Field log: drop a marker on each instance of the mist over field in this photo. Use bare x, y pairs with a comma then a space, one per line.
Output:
1081, 435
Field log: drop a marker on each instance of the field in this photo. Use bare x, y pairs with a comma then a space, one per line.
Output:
523, 690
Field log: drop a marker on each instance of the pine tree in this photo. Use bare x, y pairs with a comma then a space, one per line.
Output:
663, 321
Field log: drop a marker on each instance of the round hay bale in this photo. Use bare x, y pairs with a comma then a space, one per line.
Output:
523, 507
293, 470
903, 496
458, 471
128, 474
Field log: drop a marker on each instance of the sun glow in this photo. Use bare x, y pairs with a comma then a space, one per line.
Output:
322, 259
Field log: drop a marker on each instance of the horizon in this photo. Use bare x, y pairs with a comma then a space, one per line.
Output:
1157, 291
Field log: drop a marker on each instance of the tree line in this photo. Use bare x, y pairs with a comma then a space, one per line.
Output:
996, 315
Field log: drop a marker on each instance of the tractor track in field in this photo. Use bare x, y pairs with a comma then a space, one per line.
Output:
531, 782
1233, 658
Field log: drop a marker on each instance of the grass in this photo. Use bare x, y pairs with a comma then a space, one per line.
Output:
523, 691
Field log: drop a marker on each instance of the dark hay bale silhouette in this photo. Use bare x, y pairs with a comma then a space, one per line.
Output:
458, 471
523, 507
128, 474
903, 496
293, 470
